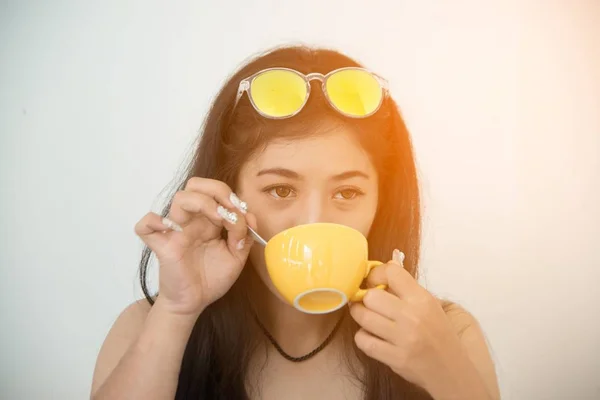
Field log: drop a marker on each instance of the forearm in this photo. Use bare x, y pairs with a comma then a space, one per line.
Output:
150, 367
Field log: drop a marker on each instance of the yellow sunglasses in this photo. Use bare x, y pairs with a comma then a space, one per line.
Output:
279, 93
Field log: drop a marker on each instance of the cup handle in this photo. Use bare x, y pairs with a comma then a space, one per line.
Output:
360, 294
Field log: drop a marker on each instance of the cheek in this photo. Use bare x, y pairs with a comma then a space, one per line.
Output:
257, 259
362, 218
372, 212
268, 220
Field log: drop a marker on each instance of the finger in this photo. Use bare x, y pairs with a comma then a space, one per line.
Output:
187, 204
235, 224
399, 281
219, 191
244, 245
373, 322
398, 257
152, 230
375, 347
377, 276
384, 303
251, 222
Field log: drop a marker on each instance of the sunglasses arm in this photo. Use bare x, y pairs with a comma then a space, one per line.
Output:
244, 86
382, 81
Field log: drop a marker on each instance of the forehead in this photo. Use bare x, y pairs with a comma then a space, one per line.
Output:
328, 152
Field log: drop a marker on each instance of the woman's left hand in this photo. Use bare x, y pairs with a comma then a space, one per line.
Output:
406, 328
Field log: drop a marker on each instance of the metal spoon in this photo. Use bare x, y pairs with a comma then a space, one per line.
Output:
257, 237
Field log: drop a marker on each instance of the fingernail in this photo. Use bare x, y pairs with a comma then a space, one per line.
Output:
228, 216
171, 225
241, 244
239, 204
398, 256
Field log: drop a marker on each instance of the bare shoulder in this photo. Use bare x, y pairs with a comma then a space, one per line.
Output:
475, 343
129, 323
123, 333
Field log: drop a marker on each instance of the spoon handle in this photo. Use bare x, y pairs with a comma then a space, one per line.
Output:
257, 237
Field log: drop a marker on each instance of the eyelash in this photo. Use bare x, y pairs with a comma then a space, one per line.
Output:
356, 192
272, 188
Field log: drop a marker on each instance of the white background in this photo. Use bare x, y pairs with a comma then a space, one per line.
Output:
100, 102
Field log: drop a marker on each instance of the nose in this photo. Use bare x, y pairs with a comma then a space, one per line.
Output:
313, 209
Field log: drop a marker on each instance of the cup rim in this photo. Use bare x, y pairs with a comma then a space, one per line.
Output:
283, 232
343, 296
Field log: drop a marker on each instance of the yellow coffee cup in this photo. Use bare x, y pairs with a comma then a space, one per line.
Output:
319, 267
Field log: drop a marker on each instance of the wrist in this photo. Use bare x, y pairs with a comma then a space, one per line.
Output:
175, 311
164, 326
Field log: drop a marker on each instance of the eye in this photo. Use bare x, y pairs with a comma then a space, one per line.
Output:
348, 194
280, 191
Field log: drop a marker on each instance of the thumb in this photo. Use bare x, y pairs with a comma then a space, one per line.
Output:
243, 246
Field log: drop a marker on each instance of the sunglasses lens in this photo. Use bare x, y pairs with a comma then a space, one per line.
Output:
278, 93
354, 92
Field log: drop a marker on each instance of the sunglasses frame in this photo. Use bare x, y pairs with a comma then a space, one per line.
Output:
246, 86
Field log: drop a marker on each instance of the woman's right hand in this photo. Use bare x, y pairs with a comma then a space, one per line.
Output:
198, 266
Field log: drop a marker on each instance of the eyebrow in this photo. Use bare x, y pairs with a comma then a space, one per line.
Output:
288, 173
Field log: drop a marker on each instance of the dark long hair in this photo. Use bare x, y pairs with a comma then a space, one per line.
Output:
217, 356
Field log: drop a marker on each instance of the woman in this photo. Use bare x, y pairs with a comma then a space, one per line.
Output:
279, 150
